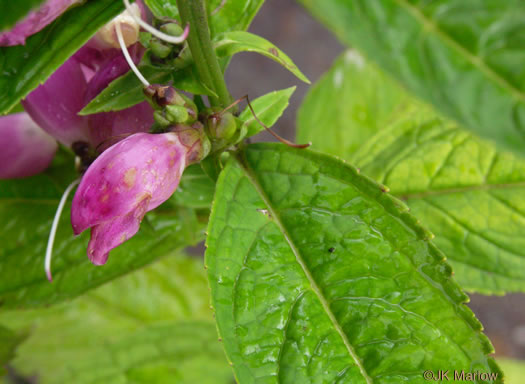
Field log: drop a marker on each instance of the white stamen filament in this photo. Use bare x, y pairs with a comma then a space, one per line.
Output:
128, 57
161, 35
52, 234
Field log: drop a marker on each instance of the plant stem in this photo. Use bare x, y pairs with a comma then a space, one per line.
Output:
194, 13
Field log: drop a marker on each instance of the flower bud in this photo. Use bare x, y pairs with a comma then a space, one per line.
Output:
25, 150
177, 114
194, 139
165, 96
129, 179
221, 126
159, 49
172, 29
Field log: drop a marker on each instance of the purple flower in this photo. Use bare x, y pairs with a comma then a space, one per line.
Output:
35, 21
25, 149
55, 104
129, 179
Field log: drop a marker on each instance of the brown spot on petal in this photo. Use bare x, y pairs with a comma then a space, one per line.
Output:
129, 177
104, 198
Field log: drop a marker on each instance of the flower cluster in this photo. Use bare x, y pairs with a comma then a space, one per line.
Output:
127, 171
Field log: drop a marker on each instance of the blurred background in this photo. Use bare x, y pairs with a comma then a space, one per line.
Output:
313, 49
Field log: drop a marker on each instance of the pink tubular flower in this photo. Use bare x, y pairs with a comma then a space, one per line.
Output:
25, 149
129, 179
35, 21
55, 104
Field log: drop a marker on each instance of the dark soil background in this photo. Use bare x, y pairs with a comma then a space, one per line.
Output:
313, 49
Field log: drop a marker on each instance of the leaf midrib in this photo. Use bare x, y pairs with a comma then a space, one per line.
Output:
313, 285
429, 25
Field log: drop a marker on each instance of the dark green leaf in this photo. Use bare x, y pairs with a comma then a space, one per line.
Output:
268, 109
23, 68
12, 11
127, 90
27, 208
318, 275
8, 343
230, 43
465, 57
153, 326
349, 104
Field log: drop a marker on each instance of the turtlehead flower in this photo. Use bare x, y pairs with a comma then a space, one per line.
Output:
129, 179
55, 104
25, 150
35, 21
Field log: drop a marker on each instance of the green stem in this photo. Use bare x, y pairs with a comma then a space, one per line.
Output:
193, 12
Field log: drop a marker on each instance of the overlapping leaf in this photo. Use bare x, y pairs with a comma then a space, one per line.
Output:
319, 275
452, 180
24, 67
27, 208
465, 57
153, 326
348, 105
468, 193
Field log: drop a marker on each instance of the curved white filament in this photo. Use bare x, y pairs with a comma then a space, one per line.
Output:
128, 57
52, 234
161, 35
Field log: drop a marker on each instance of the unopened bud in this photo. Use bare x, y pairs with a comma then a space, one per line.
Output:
159, 49
194, 139
172, 29
160, 119
221, 125
166, 96
177, 114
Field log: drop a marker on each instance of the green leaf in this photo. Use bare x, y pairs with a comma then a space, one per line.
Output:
24, 67
230, 43
12, 11
443, 173
232, 15
27, 208
464, 57
467, 192
268, 109
514, 370
153, 326
127, 90
349, 104
8, 343
318, 275
196, 189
